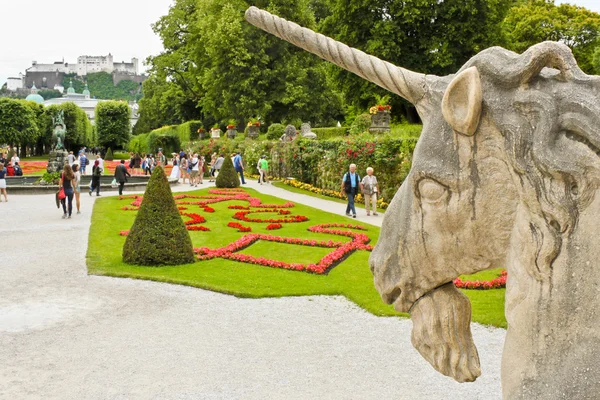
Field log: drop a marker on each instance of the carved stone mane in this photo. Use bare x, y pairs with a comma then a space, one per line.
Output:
505, 174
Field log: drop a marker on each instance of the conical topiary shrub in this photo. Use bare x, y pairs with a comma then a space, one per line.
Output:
158, 235
109, 155
227, 177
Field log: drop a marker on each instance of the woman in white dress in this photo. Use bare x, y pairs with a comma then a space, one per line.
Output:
175, 172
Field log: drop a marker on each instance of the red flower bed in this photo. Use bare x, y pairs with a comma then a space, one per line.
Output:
499, 282
209, 209
272, 227
197, 228
195, 219
239, 227
242, 215
124, 233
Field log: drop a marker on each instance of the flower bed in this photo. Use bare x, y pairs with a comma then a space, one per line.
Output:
499, 282
340, 249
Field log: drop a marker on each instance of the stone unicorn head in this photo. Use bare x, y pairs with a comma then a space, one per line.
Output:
505, 174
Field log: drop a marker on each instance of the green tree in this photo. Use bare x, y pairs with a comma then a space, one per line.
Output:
158, 235
48, 94
535, 21
18, 124
227, 177
112, 124
427, 36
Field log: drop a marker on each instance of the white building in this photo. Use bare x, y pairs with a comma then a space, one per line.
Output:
88, 64
13, 84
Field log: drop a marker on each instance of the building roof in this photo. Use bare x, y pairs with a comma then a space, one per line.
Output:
35, 97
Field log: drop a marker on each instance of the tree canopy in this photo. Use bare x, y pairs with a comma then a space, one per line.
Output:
112, 124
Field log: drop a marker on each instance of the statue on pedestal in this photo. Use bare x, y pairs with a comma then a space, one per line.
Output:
58, 135
506, 174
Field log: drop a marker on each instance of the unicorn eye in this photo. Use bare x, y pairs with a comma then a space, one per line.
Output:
430, 190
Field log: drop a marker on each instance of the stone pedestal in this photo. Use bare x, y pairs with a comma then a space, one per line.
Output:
380, 122
231, 133
215, 133
56, 160
253, 131
201, 135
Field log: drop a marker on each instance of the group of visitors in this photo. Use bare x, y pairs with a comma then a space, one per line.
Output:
368, 186
12, 166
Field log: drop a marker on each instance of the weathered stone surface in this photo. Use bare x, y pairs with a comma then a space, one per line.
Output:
56, 160
380, 122
288, 134
306, 132
506, 174
215, 133
253, 131
231, 133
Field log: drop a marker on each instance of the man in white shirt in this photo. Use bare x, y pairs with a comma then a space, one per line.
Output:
100, 162
195, 165
14, 159
71, 159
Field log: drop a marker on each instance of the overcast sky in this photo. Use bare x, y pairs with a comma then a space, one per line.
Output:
46, 31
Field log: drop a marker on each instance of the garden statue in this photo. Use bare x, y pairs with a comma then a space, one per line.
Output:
306, 131
58, 135
505, 174
58, 155
289, 134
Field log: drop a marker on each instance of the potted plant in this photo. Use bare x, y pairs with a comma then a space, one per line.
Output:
215, 132
253, 128
201, 133
380, 115
231, 131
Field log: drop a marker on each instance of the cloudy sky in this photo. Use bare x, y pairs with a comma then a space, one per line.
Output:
46, 31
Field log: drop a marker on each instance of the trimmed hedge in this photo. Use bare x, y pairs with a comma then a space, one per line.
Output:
275, 131
227, 177
158, 235
328, 133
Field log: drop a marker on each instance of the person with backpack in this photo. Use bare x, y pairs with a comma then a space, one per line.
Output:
83, 162
351, 185
18, 170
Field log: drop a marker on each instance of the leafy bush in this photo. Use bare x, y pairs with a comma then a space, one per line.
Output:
109, 155
328, 133
169, 142
361, 124
227, 177
275, 131
112, 123
120, 156
50, 178
158, 235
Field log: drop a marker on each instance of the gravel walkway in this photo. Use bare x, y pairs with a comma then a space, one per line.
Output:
67, 335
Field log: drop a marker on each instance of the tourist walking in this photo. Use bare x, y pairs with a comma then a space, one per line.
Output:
218, 165
131, 162
100, 162
71, 159
264, 170
183, 168
83, 162
213, 160
351, 185
176, 171
201, 169
148, 167
76, 171
195, 168
137, 164
67, 184
238, 163
96, 174
121, 175
3, 172
370, 189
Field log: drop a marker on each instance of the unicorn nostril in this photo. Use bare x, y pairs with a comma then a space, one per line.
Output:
391, 296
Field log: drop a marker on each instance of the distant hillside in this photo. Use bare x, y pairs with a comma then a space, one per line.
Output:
101, 86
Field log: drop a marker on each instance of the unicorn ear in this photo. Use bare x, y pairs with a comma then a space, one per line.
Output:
462, 101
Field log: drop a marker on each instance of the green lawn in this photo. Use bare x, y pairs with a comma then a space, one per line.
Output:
352, 278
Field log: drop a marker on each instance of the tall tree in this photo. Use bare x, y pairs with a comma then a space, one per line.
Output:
112, 124
535, 21
17, 122
428, 36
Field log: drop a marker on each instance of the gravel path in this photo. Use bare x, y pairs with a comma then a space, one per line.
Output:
67, 335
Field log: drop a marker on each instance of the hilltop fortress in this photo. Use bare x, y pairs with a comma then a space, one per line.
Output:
50, 76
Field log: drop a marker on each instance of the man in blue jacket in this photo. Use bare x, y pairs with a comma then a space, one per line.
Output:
351, 185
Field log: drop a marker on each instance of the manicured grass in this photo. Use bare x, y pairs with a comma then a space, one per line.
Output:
352, 278
320, 196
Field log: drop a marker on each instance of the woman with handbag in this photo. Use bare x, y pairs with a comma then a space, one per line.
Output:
96, 174
67, 186
77, 173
